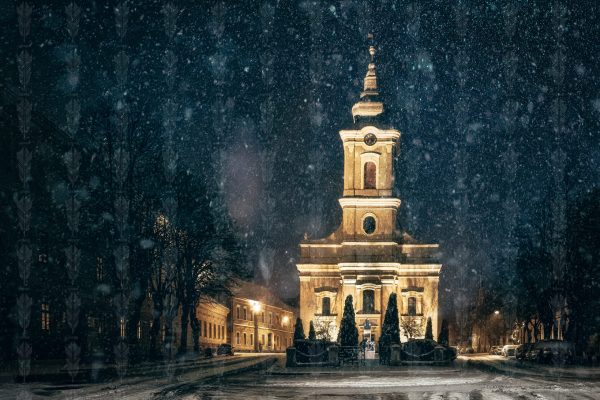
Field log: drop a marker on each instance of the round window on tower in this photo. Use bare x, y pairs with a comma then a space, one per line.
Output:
369, 225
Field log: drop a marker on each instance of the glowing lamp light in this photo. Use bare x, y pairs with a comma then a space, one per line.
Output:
285, 319
255, 306
497, 312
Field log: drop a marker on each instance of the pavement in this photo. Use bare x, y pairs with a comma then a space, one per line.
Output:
148, 381
514, 367
264, 376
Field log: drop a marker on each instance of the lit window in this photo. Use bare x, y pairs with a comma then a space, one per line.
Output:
139, 330
326, 306
122, 328
45, 316
370, 175
368, 301
412, 306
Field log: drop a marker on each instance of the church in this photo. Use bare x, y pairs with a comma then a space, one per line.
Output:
368, 257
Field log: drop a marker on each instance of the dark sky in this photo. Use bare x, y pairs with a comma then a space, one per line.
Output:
265, 87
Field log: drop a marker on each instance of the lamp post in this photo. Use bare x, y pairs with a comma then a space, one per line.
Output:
255, 311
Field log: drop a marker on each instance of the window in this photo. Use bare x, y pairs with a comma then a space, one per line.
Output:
139, 330
99, 269
245, 313
369, 225
45, 316
370, 175
326, 306
238, 312
263, 317
244, 338
252, 339
263, 339
412, 306
215, 331
270, 318
210, 330
237, 337
205, 332
122, 328
199, 328
368, 302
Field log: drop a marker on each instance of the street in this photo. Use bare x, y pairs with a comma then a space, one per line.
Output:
403, 383
459, 381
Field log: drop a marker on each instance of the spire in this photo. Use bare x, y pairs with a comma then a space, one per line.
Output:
368, 105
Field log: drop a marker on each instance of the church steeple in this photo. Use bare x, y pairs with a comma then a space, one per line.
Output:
369, 105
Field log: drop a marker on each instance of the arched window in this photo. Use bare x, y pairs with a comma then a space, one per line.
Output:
370, 175
368, 301
326, 306
412, 306
245, 313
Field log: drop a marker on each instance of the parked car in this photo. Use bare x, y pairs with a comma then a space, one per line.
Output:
509, 350
553, 351
225, 349
523, 351
496, 350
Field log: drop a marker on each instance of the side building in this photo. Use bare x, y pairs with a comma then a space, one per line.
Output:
259, 320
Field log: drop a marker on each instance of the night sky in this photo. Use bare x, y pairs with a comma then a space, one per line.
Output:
264, 88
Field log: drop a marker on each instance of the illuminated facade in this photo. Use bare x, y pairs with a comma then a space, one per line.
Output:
367, 256
259, 320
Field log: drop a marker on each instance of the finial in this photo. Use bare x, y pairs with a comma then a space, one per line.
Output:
371, 46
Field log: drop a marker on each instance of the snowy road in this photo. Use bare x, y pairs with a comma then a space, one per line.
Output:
439, 383
382, 384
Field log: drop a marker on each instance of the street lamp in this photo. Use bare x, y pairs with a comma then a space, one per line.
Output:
497, 312
255, 310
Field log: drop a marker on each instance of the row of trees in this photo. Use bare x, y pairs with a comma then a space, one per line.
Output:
348, 332
547, 291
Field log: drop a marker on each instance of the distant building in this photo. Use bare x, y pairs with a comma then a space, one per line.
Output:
368, 257
259, 321
212, 318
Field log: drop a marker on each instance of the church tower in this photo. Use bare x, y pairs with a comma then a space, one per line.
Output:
367, 256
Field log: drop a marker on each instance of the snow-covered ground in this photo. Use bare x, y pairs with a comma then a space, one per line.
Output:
438, 383
382, 384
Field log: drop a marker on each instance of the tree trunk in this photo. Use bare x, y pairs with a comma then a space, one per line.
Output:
135, 352
195, 330
155, 330
184, 328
